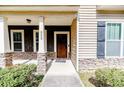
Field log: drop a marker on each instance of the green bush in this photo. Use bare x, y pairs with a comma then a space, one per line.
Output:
110, 77
17, 76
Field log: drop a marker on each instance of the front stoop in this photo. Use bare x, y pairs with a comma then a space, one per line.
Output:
5, 59
42, 62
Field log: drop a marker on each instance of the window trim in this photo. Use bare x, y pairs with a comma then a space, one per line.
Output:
34, 39
12, 43
121, 40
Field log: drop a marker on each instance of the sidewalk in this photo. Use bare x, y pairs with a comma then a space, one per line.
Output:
61, 74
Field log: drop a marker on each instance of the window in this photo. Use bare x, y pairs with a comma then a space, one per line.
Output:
36, 40
17, 40
114, 39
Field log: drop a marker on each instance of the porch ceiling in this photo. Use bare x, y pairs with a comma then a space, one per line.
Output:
56, 19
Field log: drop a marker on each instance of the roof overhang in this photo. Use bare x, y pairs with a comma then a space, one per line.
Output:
110, 7
58, 8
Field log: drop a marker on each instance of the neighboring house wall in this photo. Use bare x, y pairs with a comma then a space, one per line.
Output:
74, 41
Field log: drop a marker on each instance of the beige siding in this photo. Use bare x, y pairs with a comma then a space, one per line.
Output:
74, 41
87, 34
110, 17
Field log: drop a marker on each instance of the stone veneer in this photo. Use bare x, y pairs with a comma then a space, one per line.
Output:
74, 42
24, 55
5, 59
42, 62
92, 63
31, 55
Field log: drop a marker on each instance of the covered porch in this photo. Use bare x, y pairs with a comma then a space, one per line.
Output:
39, 36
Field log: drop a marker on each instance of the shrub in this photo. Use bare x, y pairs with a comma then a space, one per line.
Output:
112, 77
16, 76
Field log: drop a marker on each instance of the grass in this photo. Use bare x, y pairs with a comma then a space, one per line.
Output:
85, 78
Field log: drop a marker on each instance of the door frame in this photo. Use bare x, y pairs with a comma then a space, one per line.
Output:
55, 42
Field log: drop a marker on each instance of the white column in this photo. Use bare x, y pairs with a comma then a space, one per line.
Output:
42, 48
41, 56
5, 53
4, 36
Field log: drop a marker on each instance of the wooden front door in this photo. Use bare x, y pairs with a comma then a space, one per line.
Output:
61, 45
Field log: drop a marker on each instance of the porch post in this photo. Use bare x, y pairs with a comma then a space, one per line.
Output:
5, 53
41, 55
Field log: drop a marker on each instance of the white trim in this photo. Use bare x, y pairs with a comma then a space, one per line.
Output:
45, 40
22, 32
68, 40
34, 39
121, 40
77, 59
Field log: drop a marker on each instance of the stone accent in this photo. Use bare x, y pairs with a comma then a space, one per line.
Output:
42, 62
5, 59
92, 63
74, 42
24, 55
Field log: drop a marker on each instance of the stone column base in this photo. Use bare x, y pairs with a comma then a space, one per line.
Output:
5, 60
42, 62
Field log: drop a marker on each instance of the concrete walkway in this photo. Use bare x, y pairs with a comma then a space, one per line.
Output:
61, 74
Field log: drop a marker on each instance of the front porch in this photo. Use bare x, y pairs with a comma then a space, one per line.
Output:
37, 38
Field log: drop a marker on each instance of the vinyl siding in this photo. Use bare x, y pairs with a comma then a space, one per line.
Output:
110, 17
87, 34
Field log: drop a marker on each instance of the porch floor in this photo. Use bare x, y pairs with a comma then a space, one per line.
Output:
61, 74
33, 61
28, 61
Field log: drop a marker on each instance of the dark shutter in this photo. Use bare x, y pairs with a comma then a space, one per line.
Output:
101, 39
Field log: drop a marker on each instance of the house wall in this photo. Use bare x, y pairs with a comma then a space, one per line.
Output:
24, 55
110, 17
28, 40
74, 42
50, 38
87, 36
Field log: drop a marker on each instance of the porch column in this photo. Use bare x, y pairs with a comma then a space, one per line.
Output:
5, 53
41, 55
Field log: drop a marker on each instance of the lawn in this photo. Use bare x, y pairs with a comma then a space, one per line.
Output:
86, 78
104, 77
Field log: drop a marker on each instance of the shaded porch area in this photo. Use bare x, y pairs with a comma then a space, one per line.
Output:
38, 38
